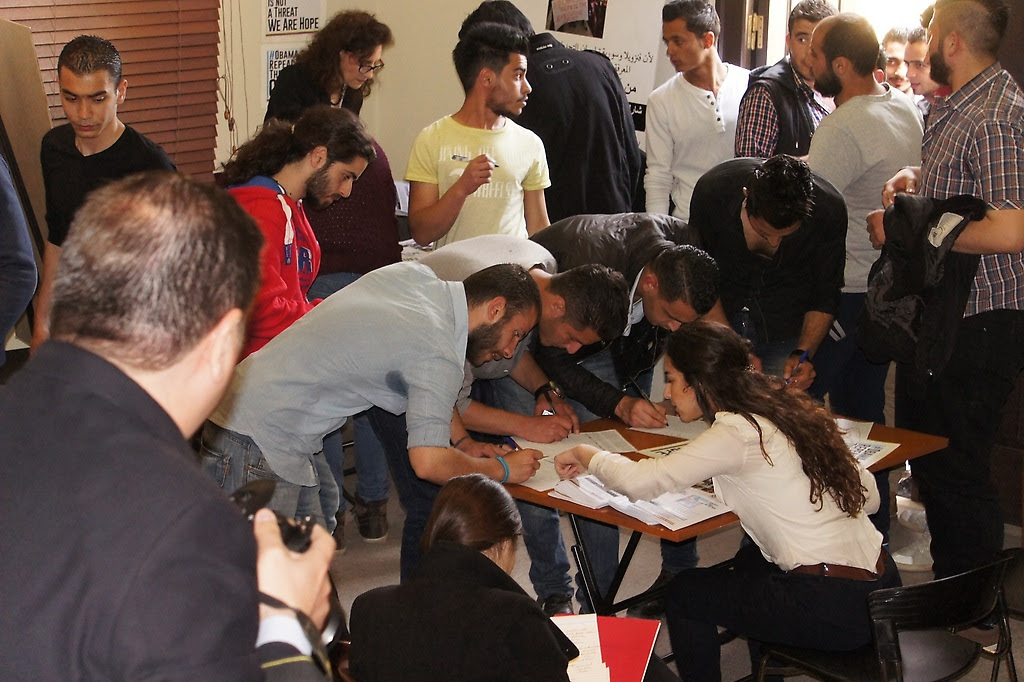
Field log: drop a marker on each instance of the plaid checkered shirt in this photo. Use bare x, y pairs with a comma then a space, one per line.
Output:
757, 128
974, 144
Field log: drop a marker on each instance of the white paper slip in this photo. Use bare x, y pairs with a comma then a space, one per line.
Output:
585, 490
546, 477
691, 505
610, 440
677, 428
854, 430
582, 630
868, 452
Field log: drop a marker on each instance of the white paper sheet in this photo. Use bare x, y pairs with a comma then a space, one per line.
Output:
582, 630
677, 428
610, 440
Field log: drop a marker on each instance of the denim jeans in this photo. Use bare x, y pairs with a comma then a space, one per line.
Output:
371, 465
233, 459
855, 386
549, 568
416, 495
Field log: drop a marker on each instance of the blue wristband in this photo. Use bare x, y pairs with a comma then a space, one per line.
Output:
501, 461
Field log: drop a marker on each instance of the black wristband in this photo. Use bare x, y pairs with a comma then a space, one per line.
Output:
798, 351
457, 443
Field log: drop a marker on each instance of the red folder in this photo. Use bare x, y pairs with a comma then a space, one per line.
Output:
626, 646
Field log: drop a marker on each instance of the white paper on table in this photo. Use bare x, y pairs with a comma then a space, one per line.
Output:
868, 452
677, 428
609, 440
854, 430
546, 477
585, 490
663, 450
582, 630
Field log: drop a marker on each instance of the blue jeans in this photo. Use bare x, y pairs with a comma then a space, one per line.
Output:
233, 459
855, 385
549, 570
371, 465
416, 495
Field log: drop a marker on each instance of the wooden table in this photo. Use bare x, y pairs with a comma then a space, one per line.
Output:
911, 445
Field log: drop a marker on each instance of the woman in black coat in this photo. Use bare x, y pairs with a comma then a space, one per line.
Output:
460, 616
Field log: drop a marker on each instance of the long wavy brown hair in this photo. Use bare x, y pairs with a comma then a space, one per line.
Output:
353, 31
715, 361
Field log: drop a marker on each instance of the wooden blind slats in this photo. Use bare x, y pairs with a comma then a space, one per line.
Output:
169, 49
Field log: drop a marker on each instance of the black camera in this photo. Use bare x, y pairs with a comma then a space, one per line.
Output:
255, 495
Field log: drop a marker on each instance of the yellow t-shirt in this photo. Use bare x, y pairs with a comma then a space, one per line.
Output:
494, 208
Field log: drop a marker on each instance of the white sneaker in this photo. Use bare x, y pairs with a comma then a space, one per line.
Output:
914, 519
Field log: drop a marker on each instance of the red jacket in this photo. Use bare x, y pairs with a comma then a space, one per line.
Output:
290, 260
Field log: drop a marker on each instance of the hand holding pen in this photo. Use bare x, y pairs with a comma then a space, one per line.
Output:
799, 372
478, 172
640, 411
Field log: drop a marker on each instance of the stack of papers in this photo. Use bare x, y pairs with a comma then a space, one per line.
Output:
546, 477
677, 428
672, 510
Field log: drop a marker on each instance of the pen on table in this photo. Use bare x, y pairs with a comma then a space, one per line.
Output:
804, 357
511, 443
460, 157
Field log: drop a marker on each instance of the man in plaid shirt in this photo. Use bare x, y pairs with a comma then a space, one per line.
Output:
780, 110
973, 144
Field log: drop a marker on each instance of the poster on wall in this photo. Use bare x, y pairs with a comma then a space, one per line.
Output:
275, 58
285, 17
628, 32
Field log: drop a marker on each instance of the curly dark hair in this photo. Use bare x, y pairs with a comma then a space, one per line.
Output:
781, 190
353, 31
715, 361
279, 143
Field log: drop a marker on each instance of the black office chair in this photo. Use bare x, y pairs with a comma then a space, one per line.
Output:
913, 633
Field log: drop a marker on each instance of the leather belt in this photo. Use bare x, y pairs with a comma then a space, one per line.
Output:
847, 572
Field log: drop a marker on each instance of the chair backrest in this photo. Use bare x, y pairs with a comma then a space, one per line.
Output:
1013, 585
958, 601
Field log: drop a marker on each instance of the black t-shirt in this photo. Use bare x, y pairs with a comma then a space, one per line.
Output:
69, 176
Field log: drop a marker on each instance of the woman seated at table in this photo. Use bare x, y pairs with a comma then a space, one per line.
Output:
460, 616
779, 461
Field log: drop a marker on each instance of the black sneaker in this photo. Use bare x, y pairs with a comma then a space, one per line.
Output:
557, 605
652, 609
372, 518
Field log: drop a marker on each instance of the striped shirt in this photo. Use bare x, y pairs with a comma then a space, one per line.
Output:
974, 144
757, 129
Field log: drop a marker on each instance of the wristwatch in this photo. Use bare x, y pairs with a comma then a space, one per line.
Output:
549, 387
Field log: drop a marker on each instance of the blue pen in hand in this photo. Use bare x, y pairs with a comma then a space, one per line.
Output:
511, 443
804, 357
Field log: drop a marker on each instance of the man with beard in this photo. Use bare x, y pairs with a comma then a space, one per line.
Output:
397, 339
873, 132
478, 172
919, 69
780, 110
974, 144
894, 46
316, 160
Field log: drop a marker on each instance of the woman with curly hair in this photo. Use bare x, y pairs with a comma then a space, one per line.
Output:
336, 68
778, 459
355, 235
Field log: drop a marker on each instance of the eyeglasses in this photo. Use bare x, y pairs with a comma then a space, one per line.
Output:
366, 69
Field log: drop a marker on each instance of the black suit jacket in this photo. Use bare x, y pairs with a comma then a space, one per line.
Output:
122, 560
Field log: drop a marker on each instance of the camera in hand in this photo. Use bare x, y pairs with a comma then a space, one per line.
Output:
255, 495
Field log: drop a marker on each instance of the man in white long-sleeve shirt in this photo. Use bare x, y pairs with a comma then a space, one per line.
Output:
691, 118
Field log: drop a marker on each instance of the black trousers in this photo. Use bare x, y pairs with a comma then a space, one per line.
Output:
964, 403
756, 599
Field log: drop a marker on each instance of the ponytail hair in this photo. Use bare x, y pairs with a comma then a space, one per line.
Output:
278, 143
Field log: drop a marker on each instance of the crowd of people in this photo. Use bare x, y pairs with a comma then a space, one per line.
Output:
742, 248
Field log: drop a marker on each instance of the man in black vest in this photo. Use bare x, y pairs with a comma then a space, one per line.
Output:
781, 110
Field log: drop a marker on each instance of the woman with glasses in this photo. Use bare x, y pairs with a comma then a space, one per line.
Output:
357, 234
778, 459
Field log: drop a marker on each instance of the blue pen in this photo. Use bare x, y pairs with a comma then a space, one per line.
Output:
511, 443
804, 357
